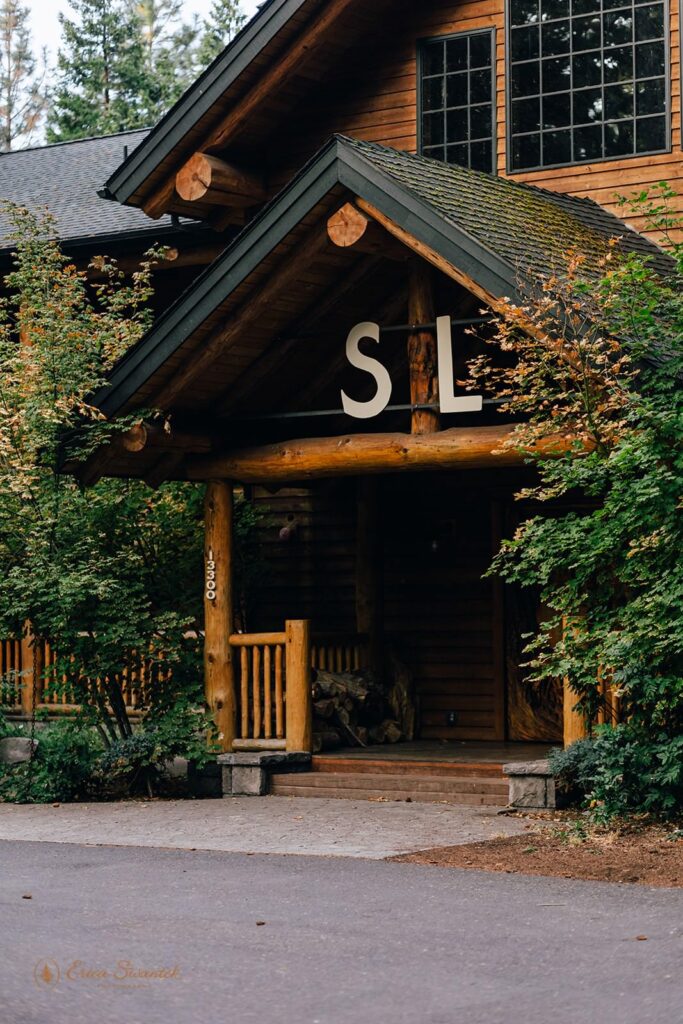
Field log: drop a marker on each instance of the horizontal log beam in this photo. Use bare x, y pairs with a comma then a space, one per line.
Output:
170, 445
357, 454
208, 179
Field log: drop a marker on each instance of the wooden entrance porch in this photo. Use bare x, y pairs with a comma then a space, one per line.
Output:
322, 360
383, 574
467, 772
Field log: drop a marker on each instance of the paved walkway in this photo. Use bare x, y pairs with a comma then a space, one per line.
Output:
338, 828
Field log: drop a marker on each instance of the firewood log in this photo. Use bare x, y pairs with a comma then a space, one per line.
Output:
324, 708
327, 740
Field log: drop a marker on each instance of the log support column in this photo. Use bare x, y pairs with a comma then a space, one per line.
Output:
32, 669
219, 671
422, 355
575, 726
299, 700
369, 572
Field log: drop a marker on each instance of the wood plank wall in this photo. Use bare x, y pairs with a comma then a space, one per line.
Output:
439, 612
375, 98
440, 616
309, 571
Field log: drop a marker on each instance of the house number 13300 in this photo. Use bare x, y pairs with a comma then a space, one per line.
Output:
210, 578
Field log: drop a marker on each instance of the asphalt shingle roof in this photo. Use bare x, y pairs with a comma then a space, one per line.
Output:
66, 178
530, 228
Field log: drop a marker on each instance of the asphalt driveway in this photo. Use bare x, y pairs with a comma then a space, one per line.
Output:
115, 934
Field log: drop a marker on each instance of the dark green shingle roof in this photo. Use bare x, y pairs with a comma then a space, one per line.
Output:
65, 178
530, 228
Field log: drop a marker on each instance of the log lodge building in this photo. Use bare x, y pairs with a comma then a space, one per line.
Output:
347, 189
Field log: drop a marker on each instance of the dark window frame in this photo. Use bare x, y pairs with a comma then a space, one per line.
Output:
424, 42
668, 148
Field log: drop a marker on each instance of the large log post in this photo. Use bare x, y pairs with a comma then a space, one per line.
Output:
32, 669
422, 357
298, 700
575, 726
369, 571
219, 671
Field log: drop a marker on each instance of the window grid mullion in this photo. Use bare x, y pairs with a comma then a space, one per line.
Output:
630, 123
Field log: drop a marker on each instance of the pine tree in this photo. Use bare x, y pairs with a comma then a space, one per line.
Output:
225, 20
104, 82
22, 98
170, 47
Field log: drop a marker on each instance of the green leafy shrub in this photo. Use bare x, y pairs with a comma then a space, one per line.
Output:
575, 768
61, 770
139, 762
637, 771
594, 358
622, 770
5, 726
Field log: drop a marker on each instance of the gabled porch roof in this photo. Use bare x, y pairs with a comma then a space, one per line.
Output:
484, 232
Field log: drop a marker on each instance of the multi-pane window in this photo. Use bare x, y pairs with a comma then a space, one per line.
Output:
587, 80
457, 100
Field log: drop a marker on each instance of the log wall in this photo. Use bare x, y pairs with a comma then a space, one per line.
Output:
440, 617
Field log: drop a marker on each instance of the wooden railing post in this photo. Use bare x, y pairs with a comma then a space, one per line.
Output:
299, 705
31, 670
219, 671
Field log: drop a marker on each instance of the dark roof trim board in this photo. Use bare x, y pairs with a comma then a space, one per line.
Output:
199, 98
429, 200
212, 287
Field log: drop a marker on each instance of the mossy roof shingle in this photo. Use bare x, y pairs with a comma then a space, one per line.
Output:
530, 228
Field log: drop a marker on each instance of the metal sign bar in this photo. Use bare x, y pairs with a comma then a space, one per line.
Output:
340, 412
399, 328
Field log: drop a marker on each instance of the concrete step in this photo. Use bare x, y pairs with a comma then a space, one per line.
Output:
371, 786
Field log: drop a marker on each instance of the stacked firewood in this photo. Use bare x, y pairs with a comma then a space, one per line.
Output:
355, 710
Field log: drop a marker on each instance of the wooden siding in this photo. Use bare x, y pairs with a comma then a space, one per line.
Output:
440, 617
374, 97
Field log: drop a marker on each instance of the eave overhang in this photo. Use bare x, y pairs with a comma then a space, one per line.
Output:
198, 100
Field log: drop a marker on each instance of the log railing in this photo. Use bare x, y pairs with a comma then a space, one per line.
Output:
273, 681
10, 673
337, 652
31, 676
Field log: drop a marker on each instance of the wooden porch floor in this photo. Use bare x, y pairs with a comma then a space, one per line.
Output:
456, 752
